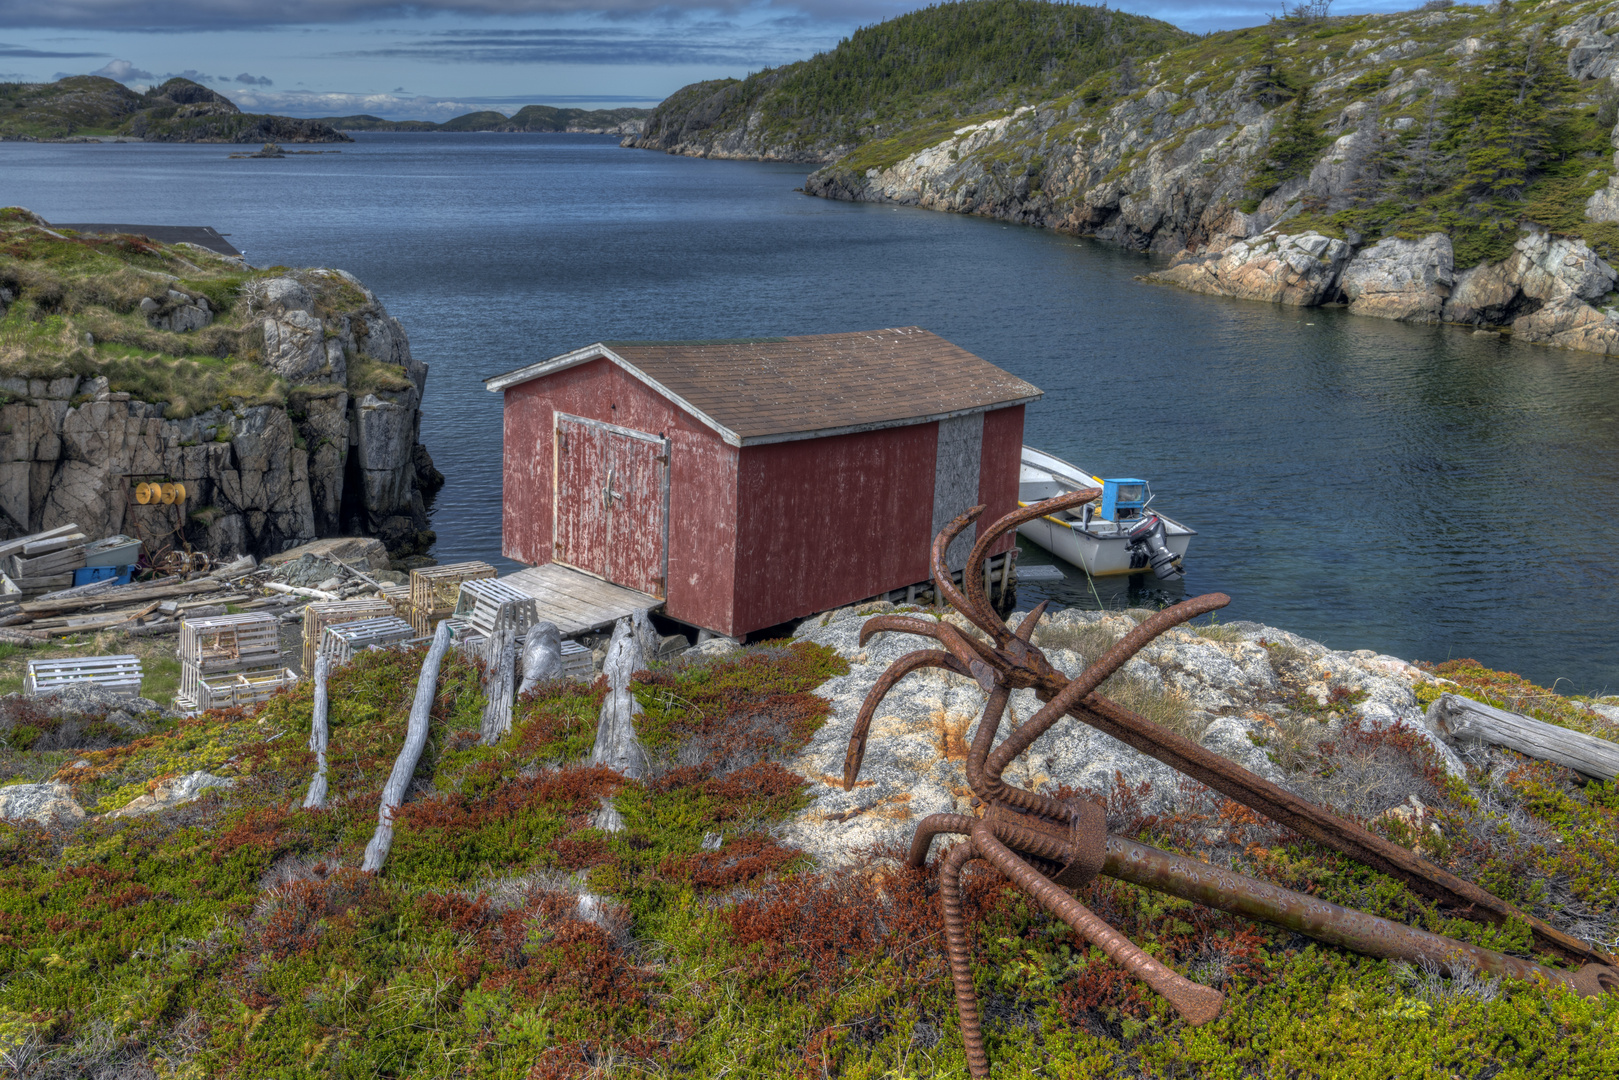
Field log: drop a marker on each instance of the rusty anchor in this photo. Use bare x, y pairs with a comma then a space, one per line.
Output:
1048, 848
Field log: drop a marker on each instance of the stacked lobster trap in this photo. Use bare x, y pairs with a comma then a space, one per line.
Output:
228, 660
340, 643
435, 592
326, 613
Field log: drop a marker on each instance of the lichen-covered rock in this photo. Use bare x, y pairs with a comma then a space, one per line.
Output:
43, 804
1301, 270
1551, 267
917, 745
167, 794
1406, 280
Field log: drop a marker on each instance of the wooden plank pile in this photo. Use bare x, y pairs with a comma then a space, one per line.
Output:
230, 660
120, 674
342, 641
45, 560
318, 616
93, 608
435, 591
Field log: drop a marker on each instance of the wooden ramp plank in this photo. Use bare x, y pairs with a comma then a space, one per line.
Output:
574, 600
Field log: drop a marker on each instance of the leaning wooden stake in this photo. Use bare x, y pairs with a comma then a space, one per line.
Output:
497, 684
316, 799
393, 792
1462, 718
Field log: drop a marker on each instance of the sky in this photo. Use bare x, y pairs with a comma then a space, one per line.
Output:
441, 58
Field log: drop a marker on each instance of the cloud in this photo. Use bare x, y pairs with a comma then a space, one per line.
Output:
38, 54
124, 71
723, 45
250, 80
404, 107
214, 14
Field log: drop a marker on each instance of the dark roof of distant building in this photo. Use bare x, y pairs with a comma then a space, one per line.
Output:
761, 390
200, 235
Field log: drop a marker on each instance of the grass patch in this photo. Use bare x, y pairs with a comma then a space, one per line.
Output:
232, 937
368, 376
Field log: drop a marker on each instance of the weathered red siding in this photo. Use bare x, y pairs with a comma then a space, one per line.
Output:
825, 522
702, 481
998, 467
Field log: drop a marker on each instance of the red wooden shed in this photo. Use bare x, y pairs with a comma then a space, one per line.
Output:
750, 482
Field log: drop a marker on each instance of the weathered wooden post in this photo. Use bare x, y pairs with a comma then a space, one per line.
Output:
616, 744
316, 799
393, 792
497, 683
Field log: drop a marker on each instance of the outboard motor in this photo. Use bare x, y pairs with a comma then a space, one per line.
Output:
1148, 538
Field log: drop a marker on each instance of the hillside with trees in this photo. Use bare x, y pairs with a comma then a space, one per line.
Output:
944, 61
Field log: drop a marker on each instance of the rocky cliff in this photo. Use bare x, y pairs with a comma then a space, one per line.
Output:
287, 403
1451, 164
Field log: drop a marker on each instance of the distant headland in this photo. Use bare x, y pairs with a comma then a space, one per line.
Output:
92, 108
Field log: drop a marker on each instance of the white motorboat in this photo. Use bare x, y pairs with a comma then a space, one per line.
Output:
1112, 534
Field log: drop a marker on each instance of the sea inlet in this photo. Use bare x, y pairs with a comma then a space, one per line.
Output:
1419, 491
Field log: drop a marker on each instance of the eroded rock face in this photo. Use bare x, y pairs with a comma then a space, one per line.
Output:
295, 345
1300, 270
1407, 280
914, 762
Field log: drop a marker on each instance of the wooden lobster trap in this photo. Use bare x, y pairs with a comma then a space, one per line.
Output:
230, 642
225, 689
342, 641
318, 616
433, 588
490, 604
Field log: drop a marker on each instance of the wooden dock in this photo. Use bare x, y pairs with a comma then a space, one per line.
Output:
576, 601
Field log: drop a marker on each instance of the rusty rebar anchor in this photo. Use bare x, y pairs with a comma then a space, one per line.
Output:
1047, 847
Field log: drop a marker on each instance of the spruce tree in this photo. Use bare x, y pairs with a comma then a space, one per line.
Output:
1504, 122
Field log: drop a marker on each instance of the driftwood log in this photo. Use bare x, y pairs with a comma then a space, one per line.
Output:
316, 799
1463, 718
393, 792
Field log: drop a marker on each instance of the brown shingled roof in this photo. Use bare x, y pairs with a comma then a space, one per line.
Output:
772, 389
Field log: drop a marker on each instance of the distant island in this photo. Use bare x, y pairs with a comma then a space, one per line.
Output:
92, 107
625, 122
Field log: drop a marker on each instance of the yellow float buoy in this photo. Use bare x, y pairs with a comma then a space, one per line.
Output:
168, 493
143, 493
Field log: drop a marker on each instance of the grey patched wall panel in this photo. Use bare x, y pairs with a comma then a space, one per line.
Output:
955, 480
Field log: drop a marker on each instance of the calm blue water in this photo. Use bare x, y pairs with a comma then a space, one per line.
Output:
1413, 490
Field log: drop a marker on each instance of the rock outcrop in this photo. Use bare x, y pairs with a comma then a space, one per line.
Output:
1407, 280
259, 478
1301, 270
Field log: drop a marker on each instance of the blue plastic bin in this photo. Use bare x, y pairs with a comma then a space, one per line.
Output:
89, 575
